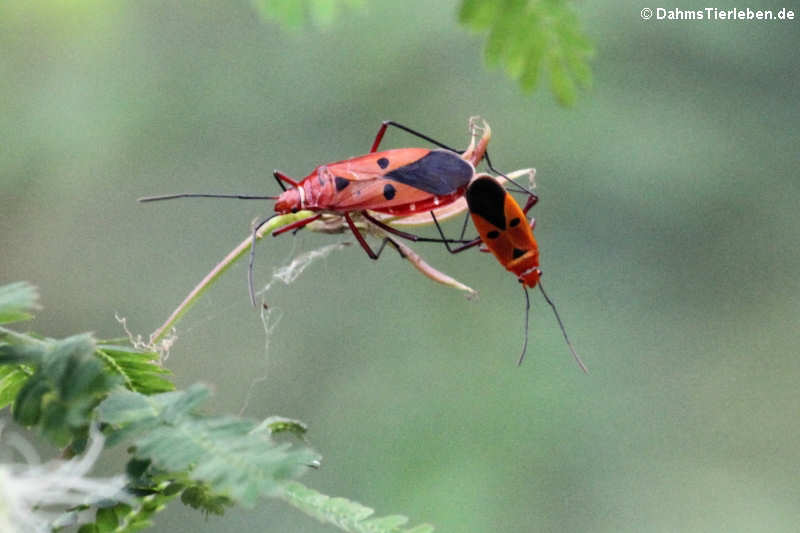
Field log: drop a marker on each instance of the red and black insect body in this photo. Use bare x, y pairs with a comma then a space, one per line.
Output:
398, 182
504, 229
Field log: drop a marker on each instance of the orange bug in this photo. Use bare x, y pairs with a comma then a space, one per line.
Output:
503, 228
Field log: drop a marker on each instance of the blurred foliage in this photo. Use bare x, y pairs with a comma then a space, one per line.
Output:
229, 454
67, 384
212, 462
526, 36
296, 13
16, 302
347, 515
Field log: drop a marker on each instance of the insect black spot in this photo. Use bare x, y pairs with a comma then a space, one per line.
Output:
514, 222
341, 183
389, 191
493, 234
517, 253
383, 162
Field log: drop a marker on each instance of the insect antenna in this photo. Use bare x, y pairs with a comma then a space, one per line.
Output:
527, 316
203, 195
563, 331
250, 284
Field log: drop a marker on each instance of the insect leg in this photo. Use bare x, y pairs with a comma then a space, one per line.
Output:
360, 238
466, 246
514, 185
532, 199
363, 242
280, 177
389, 240
386, 123
410, 236
296, 225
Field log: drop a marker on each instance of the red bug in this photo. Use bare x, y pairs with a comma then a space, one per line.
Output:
399, 182
504, 229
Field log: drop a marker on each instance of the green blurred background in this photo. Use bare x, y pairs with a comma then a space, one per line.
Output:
669, 224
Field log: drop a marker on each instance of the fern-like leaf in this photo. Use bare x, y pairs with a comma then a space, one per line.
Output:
139, 371
345, 514
66, 385
231, 455
528, 36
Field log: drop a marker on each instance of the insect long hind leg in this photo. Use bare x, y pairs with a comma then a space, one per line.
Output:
363, 242
415, 238
386, 123
527, 317
513, 184
360, 238
563, 330
389, 240
467, 244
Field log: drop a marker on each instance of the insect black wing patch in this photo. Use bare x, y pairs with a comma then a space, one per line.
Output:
486, 197
439, 172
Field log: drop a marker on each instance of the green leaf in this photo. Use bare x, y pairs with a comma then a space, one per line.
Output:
529, 36
139, 371
106, 519
17, 301
66, 385
12, 378
345, 514
296, 13
279, 424
200, 497
123, 518
229, 454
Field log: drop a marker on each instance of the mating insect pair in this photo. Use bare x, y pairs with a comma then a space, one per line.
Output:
409, 183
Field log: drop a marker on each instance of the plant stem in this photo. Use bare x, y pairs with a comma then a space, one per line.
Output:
220, 268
